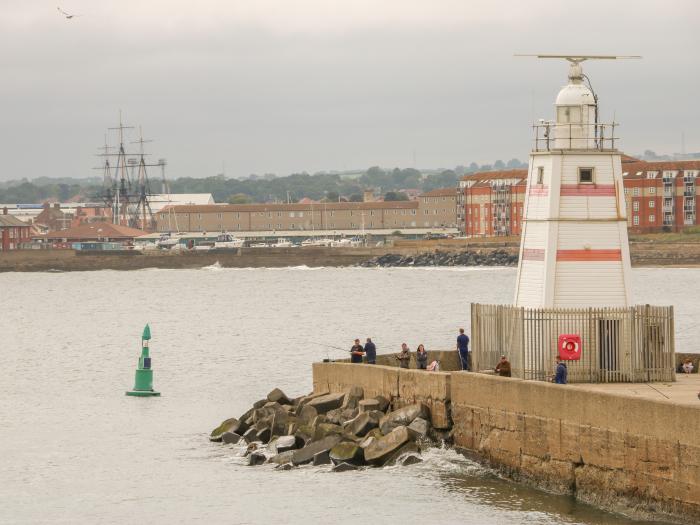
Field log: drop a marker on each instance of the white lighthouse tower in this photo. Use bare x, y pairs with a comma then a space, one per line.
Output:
574, 250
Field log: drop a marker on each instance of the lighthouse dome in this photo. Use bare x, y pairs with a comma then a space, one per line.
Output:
575, 95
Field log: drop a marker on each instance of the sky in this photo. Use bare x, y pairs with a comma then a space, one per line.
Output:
263, 86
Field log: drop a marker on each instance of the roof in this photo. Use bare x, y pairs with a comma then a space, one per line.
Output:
9, 220
220, 208
162, 200
441, 192
97, 230
493, 175
637, 169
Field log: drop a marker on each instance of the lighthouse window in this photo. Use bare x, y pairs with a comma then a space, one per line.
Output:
540, 175
585, 175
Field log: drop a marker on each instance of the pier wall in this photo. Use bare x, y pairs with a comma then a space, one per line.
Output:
618, 452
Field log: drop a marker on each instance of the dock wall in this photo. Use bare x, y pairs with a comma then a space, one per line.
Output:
627, 454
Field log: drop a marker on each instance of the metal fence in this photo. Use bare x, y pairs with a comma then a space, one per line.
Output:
634, 344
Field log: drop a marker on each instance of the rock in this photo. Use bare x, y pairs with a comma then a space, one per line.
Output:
353, 396
379, 451
367, 405
284, 466
326, 429
230, 438
347, 414
302, 436
322, 458
383, 403
334, 416
278, 396
264, 435
282, 457
419, 428
346, 452
362, 424
250, 435
323, 404
403, 416
410, 459
278, 426
307, 414
285, 443
230, 425
306, 399
306, 454
252, 447
367, 441
317, 421
344, 467
397, 456
256, 458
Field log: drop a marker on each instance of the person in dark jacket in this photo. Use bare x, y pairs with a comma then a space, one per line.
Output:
370, 352
404, 357
463, 349
356, 352
503, 367
421, 358
562, 372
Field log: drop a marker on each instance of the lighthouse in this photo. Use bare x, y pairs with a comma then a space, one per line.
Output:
574, 250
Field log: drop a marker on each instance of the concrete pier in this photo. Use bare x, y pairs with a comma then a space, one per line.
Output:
622, 447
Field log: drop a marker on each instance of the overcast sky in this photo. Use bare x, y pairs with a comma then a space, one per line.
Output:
285, 86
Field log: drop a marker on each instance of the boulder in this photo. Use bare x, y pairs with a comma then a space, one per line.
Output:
306, 454
367, 441
278, 396
278, 425
327, 402
334, 416
397, 456
249, 412
419, 428
367, 405
353, 396
362, 424
284, 466
347, 414
322, 458
307, 414
317, 421
383, 403
230, 425
285, 443
347, 452
344, 467
326, 429
304, 400
264, 435
282, 457
410, 459
380, 450
403, 416
250, 435
256, 458
230, 438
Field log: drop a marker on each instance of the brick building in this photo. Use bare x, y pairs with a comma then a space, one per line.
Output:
438, 208
13, 232
660, 196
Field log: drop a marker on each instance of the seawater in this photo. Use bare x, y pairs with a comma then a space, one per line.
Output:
75, 449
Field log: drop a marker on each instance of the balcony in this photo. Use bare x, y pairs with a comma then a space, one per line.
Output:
550, 136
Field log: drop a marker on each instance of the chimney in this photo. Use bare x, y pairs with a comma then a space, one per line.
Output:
368, 195
4, 211
56, 205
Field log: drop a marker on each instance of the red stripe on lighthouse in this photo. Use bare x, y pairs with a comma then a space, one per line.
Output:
587, 190
589, 255
539, 191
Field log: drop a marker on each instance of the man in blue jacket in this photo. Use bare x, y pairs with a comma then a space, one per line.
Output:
562, 372
463, 349
370, 352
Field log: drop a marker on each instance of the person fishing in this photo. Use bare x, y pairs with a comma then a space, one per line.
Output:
463, 349
421, 358
370, 352
503, 367
356, 352
404, 357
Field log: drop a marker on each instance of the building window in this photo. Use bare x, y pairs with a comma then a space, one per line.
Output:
585, 175
291, 214
540, 175
635, 220
652, 203
301, 214
425, 212
652, 218
635, 206
627, 191
332, 212
635, 192
199, 216
652, 190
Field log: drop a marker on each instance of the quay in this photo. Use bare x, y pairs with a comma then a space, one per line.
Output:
623, 447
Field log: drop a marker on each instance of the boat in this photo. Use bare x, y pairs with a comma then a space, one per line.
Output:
227, 241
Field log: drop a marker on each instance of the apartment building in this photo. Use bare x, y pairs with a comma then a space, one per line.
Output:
438, 208
493, 202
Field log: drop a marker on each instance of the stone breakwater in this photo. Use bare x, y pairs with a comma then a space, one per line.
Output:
440, 258
344, 429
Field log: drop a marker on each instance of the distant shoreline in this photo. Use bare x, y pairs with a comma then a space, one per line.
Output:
644, 254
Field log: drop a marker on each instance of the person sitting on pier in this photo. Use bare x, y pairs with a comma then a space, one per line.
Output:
562, 372
356, 352
463, 349
370, 352
404, 357
503, 367
688, 366
421, 358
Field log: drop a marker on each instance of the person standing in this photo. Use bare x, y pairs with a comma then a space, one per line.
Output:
503, 367
356, 352
463, 349
562, 373
404, 357
421, 358
370, 352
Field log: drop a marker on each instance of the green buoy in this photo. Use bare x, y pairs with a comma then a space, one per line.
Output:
143, 384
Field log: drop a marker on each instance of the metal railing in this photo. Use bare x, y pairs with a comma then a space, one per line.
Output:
634, 344
553, 136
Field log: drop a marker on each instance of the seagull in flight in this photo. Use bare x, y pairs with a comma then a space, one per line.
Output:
67, 15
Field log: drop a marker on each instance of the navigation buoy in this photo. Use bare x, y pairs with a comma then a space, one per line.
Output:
143, 384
